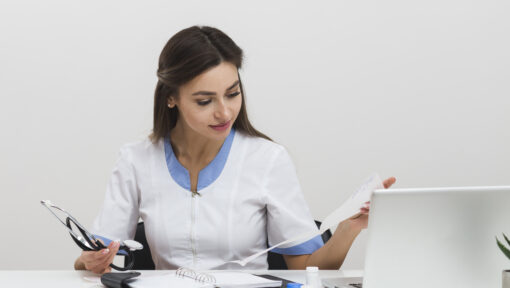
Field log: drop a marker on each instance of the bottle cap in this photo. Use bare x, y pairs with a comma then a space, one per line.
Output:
312, 269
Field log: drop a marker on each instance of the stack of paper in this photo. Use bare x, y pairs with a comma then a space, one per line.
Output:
223, 279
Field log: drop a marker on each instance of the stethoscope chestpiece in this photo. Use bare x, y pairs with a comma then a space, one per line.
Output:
132, 245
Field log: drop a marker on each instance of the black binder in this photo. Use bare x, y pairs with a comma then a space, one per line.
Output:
118, 280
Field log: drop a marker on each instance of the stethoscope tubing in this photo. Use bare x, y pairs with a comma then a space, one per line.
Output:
97, 246
88, 238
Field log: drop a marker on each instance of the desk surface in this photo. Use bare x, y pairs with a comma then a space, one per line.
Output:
71, 278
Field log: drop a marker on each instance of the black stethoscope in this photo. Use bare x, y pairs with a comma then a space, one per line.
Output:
87, 242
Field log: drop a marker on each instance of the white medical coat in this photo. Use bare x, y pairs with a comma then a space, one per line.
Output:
250, 196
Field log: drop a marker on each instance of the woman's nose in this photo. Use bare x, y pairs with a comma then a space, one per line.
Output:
222, 112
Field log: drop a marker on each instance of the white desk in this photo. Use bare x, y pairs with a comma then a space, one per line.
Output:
71, 278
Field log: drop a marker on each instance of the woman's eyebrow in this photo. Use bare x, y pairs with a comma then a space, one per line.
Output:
209, 93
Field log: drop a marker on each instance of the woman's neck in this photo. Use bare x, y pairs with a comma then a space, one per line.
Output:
192, 149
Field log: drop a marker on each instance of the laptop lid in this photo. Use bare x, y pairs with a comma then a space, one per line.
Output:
437, 237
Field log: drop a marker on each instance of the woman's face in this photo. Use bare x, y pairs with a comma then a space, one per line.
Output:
209, 103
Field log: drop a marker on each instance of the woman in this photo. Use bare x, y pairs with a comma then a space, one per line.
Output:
209, 187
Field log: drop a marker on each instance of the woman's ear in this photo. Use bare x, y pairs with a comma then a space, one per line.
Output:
171, 102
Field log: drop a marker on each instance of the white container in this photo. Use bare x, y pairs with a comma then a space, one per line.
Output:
312, 277
506, 279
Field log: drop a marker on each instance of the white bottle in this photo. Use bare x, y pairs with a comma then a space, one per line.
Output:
312, 277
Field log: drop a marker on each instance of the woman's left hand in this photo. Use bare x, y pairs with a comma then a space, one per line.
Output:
360, 221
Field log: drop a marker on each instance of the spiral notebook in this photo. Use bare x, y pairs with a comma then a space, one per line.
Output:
188, 278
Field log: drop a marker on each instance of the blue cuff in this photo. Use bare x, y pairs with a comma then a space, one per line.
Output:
307, 247
107, 242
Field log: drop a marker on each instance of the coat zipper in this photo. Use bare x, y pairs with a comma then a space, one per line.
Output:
193, 216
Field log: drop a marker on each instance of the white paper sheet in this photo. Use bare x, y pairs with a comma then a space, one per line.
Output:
353, 205
165, 281
348, 209
224, 279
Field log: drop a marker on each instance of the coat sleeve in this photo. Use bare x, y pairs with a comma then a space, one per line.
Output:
288, 214
118, 216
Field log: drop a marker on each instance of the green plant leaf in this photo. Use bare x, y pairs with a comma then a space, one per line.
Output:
503, 248
506, 239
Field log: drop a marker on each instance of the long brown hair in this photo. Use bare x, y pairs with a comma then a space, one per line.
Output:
186, 55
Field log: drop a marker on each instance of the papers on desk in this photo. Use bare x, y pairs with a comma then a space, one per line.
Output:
244, 280
348, 209
223, 279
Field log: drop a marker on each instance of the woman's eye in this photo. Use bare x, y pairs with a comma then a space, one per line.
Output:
234, 94
204, 102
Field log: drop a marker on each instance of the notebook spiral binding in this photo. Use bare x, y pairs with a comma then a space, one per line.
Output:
199, 277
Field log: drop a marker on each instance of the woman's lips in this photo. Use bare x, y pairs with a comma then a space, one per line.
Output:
220, 127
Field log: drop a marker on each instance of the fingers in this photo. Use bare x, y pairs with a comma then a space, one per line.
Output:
362, 211
107, 270
93, 260
366, 208
99, 261
388, 182
356, 216
103, 266
101, 241
114, 248
96, 264
101, 255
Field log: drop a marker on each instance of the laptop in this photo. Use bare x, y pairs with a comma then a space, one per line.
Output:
435, 237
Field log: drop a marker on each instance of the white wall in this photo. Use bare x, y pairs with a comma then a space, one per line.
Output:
414, 89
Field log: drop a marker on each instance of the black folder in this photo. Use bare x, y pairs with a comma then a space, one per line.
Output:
118, 280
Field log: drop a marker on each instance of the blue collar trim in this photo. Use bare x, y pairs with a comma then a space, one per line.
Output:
207, 175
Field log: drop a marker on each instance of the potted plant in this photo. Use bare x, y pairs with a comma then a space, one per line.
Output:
506, 251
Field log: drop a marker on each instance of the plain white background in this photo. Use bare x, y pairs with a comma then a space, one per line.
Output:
414, 89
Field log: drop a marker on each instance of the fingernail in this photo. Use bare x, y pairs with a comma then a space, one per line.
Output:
105, 251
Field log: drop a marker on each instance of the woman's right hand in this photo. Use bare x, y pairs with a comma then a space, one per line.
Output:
99, 261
